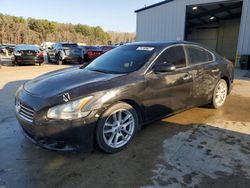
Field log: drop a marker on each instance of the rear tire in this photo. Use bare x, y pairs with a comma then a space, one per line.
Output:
80, 61
117, 127
49, 59
59, 60
220, 94
14, 63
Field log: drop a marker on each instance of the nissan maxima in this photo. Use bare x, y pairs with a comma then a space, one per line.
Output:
107, 102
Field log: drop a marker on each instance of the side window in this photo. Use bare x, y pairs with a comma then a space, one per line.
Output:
198, 55
174, 55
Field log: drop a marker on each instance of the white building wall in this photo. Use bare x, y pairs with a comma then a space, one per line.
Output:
167, 22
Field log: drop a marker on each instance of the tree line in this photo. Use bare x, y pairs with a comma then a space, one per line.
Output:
18, 30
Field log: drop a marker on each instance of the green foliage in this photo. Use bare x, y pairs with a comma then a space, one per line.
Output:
19, 30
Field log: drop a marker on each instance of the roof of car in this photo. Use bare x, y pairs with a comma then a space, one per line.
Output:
67, 43
24, 46
159, 43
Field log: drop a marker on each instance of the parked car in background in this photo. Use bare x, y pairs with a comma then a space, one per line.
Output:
47, 45
7, 49
3, 50
91, 52
27, 54
51, 53
110, 100
106, 48
63, 52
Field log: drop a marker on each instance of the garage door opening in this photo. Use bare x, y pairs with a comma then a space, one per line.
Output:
216, 26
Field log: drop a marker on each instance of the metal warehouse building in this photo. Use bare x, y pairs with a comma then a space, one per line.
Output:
223, 26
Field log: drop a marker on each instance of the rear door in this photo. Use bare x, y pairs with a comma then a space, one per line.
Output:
169, 91
205, 72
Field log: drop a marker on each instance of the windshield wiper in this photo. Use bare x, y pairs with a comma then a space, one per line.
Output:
102, 71
105, 71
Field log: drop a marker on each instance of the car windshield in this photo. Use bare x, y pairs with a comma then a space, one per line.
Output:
124, 59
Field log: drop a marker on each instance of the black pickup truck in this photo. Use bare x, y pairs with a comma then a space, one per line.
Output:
65, 52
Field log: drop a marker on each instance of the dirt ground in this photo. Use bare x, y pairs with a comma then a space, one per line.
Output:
201, 147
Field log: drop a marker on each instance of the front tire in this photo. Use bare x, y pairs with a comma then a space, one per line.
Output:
117, 127
220, 94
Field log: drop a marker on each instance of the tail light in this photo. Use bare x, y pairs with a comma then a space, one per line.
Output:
90, 53
40, 54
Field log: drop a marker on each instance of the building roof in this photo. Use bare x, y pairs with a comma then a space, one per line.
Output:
154, 5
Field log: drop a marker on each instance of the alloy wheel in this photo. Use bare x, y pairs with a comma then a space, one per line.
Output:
221, 94
118, 128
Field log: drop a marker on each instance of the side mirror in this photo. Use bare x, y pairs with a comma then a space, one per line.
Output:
164, 67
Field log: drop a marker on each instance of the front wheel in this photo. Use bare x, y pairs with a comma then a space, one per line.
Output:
117, 127
220, 94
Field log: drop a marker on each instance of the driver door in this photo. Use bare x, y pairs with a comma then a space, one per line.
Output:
169, 91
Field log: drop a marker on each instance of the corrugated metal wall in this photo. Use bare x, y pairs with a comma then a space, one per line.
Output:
167, 22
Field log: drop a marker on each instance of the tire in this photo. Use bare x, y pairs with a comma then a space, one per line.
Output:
220, 94
58, 60
49, 60
86, 58
14, 63
80, 61
117, 135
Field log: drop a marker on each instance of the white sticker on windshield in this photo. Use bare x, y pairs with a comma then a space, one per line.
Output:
145, 48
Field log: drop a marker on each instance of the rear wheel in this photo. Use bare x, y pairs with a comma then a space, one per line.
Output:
14, 63
80, 61
86, 58
49, 59
117, 127
220, 94
58, 60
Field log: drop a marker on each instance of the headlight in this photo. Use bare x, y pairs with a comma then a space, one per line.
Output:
71, 110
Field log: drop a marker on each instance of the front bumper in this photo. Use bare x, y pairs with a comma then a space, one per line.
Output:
60, 135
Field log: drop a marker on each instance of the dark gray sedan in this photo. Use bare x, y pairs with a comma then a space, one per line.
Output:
111, 99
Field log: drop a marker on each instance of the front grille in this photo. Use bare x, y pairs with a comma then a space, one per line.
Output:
24, 111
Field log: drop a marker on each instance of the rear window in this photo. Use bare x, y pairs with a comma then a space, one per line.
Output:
198, 55
69, 45
27, 47
92, 48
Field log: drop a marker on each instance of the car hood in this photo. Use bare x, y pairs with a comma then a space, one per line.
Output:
74, 80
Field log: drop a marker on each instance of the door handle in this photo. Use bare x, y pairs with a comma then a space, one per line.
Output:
187, 76
215, 70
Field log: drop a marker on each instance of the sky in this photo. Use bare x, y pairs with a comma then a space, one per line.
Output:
111, 15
